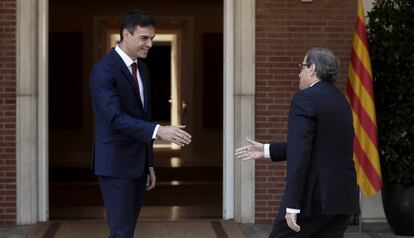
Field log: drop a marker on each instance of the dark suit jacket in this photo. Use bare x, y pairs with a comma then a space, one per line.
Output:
321, 176
123, 138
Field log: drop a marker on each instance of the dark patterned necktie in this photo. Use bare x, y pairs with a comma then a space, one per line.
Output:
134, 77
135, 84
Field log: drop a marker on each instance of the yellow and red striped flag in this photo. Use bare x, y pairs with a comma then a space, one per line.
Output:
360, 94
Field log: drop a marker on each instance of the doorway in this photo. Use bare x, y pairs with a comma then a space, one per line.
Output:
189, 178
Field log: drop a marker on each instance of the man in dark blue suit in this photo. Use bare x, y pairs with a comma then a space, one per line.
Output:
122, 154
321, 189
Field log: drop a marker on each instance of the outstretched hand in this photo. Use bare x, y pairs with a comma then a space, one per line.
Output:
174, 134
254, 150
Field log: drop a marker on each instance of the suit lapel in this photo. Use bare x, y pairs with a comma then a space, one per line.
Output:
127, 75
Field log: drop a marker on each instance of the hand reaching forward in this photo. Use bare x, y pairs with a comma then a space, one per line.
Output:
174, 134
252, 151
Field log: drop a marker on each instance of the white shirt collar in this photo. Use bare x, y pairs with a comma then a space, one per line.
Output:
127, 60
317, 81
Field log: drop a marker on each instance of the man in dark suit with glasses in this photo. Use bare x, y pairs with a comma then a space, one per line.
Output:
321, 190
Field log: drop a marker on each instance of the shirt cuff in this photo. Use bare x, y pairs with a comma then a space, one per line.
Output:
266, 151
291, 210
154, 135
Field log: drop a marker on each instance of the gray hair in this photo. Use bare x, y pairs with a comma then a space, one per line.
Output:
327, 65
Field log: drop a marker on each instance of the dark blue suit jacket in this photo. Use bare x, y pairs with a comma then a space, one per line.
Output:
321, 176
123, 138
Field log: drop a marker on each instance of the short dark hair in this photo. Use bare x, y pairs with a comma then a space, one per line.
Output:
327, 65
135, 18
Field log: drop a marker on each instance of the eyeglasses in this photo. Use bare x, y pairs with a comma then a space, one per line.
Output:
300, 66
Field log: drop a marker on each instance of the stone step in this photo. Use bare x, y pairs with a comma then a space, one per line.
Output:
191, 185
201, 173
164, 194
147, 212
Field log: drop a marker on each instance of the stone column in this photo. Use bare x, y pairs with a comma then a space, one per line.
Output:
244, 105
30, 112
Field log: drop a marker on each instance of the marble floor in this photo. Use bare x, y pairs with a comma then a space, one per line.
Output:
368, 230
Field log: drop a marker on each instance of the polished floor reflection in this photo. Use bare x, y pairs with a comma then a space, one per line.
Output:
185, 190
148, 212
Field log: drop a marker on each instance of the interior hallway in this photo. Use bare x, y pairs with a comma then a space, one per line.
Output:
189, 180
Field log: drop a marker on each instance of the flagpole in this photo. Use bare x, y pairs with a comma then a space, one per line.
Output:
359, 219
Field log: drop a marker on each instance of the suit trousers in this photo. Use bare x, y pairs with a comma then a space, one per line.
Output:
318, 226
122, 200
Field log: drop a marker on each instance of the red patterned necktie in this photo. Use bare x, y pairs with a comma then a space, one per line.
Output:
134, 76
135, 84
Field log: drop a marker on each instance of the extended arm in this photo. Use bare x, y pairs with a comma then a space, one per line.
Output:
257, 150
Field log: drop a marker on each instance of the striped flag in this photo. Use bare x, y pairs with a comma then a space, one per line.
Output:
360, 94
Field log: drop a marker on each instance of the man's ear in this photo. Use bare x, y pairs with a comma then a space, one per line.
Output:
312, 69
125, 33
